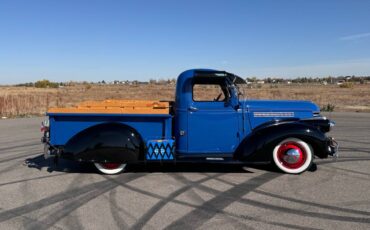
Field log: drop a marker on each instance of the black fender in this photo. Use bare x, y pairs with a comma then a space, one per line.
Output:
107, 142
258, 146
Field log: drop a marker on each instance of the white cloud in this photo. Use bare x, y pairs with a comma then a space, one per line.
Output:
355, 37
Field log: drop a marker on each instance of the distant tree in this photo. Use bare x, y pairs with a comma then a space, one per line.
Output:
46, 84
161, 81
251, 79
28, 84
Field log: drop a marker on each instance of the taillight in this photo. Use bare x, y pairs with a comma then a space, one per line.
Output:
44, 126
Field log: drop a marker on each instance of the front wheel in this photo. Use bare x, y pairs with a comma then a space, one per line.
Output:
293, 156
110, 168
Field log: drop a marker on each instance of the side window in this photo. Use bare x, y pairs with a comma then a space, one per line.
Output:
209, 92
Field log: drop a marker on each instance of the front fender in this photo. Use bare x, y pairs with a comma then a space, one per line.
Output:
258, 146
108, 142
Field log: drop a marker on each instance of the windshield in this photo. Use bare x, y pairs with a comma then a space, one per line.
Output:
239, 85
236, 84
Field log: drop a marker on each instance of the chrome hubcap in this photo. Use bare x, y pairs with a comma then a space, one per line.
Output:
292, 156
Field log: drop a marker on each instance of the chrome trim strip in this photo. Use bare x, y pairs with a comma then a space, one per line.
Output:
214, 159
273, 114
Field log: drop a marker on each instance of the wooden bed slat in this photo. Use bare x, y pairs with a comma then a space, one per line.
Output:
117, 107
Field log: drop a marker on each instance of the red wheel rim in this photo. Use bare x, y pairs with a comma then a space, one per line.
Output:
110, 165
292, 155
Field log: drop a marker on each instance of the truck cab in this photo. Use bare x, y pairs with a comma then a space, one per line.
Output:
210, 120
208, 123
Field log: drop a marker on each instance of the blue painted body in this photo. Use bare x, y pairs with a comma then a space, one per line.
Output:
212, 128
297, 109
64, 126
219, 127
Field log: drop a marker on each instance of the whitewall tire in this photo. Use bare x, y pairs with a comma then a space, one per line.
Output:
293, 156
110, 168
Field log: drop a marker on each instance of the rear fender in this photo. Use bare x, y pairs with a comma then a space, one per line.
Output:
258, 146
108, 142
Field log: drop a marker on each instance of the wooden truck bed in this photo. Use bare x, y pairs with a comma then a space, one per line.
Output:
117, 107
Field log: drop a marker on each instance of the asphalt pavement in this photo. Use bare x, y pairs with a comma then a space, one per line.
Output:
334, 194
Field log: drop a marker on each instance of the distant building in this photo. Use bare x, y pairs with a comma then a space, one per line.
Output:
340, 82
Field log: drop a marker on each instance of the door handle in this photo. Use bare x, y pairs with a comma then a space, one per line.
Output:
193, 109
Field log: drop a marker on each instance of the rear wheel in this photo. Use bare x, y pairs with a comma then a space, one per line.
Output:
293, 156
110, 168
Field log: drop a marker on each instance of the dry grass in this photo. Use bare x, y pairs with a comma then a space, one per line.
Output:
356, 98
22, 101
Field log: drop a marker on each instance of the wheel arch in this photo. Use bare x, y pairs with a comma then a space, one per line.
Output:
106, 142
258, 146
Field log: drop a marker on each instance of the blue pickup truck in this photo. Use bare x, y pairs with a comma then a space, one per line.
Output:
196, 127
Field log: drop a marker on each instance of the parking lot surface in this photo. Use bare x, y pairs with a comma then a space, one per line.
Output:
40, 195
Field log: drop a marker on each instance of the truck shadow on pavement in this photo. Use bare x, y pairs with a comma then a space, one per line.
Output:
39, 162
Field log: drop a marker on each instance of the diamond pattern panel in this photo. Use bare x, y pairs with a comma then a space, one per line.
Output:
160, 150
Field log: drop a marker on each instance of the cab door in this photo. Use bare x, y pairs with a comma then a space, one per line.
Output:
213, 122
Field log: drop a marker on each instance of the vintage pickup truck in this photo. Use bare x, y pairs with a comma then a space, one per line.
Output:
196, 127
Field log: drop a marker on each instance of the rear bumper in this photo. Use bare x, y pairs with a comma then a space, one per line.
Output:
49, 150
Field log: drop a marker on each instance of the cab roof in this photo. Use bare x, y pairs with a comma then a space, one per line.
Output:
192, 73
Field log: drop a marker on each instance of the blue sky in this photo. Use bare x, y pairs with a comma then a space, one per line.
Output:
93, 40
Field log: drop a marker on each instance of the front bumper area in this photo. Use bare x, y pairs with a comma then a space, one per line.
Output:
332, 147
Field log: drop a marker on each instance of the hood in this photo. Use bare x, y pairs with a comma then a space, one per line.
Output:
282, 105
262, 111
